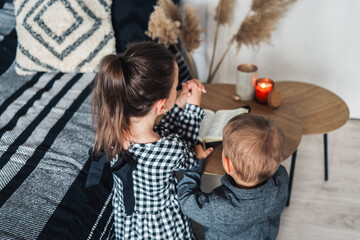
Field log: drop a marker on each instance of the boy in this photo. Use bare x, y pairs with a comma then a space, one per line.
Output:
254, 191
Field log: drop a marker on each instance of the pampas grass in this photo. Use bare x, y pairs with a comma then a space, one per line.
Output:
167, 24
186, 26
171, 10
162, 28
190, 31
224, 11
257, 26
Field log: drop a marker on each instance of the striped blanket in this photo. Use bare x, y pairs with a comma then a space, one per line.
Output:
45, 134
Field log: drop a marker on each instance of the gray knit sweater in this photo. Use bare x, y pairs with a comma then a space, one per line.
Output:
229, 212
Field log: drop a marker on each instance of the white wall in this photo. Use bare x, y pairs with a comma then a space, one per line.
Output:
317, 42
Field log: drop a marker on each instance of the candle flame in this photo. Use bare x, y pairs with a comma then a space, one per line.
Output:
263, 85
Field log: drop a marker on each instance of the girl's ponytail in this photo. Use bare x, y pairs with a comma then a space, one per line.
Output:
127, 85
108, 106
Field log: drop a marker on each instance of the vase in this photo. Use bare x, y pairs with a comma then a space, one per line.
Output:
245, 82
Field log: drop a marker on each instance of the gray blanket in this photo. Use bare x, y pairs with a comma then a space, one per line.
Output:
45, 134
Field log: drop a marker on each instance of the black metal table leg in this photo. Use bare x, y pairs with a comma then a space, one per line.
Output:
292, 169
326, 157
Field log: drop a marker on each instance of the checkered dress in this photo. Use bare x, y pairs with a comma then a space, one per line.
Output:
157, 213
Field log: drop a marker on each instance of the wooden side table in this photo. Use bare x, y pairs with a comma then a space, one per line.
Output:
320, 110
220, 96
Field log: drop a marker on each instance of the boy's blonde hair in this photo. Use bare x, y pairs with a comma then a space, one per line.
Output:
254, 144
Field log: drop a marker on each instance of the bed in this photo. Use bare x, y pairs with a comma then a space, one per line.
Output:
45, 135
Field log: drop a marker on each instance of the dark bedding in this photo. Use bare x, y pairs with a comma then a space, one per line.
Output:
45, 134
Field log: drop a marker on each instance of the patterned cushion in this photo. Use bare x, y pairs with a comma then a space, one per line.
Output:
62, 35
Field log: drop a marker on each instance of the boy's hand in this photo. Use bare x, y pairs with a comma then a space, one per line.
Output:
200, 153
191, 93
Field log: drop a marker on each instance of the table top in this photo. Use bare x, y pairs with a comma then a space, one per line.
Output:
320, 110
220, 96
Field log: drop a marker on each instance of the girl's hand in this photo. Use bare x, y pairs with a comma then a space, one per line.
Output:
195, 88
200, 153
184, 95
195, 84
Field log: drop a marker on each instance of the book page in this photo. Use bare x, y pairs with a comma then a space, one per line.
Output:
221, 118
205, 123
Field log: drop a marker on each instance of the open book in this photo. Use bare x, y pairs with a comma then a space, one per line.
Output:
211, 127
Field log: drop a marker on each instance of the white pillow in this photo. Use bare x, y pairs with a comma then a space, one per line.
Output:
62, 35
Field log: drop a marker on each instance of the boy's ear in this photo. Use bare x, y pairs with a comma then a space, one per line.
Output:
160, 106
227, 164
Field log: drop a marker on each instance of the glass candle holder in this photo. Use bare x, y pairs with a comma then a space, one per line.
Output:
246, 77
262, 88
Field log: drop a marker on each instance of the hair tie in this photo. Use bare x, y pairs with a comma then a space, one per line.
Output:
123, 65
121, 58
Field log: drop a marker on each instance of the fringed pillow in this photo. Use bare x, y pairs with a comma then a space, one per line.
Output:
62, 35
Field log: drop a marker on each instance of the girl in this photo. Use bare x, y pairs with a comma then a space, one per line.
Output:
131, 90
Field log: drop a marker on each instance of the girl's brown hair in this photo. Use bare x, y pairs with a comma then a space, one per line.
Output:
128, 85
255, 145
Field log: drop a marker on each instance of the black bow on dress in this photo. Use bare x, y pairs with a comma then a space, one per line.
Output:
122, 168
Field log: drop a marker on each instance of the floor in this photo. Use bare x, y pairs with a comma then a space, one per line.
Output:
318, 209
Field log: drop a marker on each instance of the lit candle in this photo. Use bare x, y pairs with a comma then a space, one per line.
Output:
263, 86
